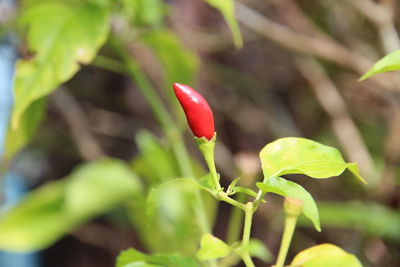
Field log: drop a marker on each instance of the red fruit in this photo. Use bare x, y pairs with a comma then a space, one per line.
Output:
198, 113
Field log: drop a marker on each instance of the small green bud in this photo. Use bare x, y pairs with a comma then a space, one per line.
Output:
293, 206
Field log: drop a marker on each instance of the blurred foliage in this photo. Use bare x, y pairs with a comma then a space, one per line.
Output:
56, 208
134, 50
61, 35
371, 218
132, 257
227, 8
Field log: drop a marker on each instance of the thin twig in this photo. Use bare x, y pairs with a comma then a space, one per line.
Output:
325, 90
310, 45
382, 16
333, 103
75, 117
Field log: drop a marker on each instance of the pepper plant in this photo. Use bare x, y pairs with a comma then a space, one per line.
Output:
290, 155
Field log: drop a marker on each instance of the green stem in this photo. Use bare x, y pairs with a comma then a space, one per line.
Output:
209, 157
166, 122
247, 260
290, 225
207, 148
144, 85
248, 218
109, 64
224, 197
235, 222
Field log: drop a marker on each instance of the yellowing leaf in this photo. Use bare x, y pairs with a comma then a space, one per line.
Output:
326, 255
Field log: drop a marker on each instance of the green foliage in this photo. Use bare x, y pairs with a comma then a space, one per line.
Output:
169, 214
259, 250
326, 255
384, 223
132, 257
19, 137
142, 13
156, 163
212, 247
390, 62
227, 9
172, 202
61, 34
97, 187
233, 188
52, 210
287, 188
178, 63
293, 155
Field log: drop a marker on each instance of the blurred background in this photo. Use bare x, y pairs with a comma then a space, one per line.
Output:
93, 103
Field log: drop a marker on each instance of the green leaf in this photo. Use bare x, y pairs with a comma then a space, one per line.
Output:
142, 13
61, 35
287, 188
133, 258
178, 63
170, 208
390, 62
212, 247
19, 137
227, 9
52, 210
356, 215
326, 255
259, 250
170, 199
293, 155
97, 187
205, 183
155, 163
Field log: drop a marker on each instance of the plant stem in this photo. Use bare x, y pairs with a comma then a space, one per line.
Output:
209, 158
144, 85
235, 222
109, 64
166, 122
247, 260
207, 148
224, 197
290, 225
244, 248
259, 198
248, 217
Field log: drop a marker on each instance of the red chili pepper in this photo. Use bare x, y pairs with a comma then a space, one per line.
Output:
198, 112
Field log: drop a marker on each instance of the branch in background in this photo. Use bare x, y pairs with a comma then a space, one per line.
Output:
325, 90
382, 16
310, 45
391, 153
332, 102
75, 117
